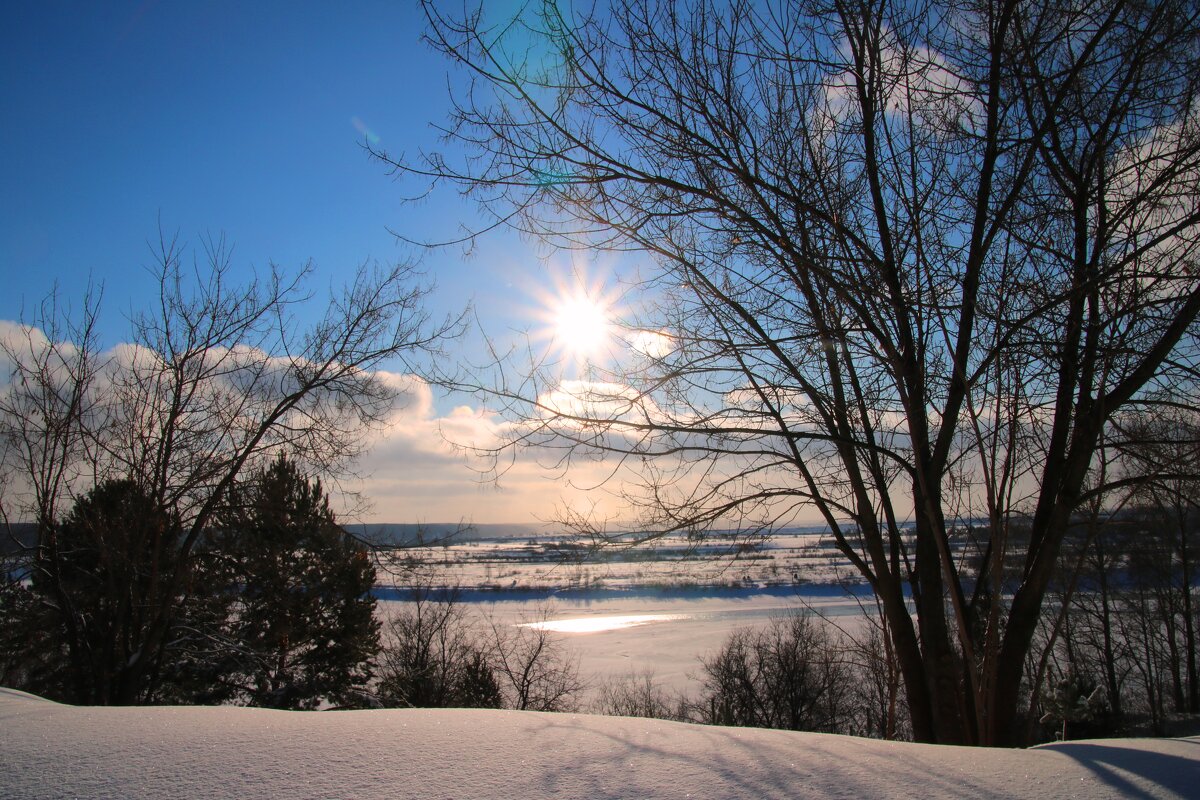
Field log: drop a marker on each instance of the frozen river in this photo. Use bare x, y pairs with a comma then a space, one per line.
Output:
615, 636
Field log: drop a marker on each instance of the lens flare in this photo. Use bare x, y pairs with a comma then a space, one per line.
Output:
362, 128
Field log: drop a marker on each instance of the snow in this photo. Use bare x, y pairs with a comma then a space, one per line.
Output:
49, 750
560, 560
674, 635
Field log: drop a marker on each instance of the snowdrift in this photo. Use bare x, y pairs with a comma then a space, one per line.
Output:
48, 750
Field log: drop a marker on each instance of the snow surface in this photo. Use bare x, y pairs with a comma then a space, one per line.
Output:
49, 750
677, 631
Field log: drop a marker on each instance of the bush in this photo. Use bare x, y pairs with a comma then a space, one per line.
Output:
639, 695
432, 659
788, 675
536, 672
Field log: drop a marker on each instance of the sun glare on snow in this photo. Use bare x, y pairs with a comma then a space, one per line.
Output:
601, 624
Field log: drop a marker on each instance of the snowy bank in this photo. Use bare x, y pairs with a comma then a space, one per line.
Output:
49, 750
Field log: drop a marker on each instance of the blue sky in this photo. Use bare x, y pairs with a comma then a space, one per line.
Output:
245, 119
239, 118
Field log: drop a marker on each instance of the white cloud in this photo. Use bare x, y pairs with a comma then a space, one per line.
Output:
422, 464
914, 80
653, 344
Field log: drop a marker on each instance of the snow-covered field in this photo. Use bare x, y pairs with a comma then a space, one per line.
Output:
565, 562
614, 637
55, 751
681, 598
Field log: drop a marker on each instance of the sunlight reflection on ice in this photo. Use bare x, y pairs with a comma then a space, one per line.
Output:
598, 624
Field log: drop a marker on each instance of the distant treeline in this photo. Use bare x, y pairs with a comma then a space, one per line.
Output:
408, 534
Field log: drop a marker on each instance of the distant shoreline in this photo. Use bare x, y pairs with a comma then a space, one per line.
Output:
526, 594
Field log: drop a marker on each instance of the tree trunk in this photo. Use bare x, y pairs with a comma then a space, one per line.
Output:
941, 662
1110, 659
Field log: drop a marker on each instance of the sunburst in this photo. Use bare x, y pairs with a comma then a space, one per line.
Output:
582, 325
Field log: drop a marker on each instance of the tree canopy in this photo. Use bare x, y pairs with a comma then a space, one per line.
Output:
213, 383
912, 262
298, 627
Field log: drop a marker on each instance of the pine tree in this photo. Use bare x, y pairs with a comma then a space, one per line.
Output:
97, 579
1075, 699
297, 625
477, 686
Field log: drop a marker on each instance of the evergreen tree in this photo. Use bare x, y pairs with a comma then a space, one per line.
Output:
477, 686
31, 656
1076, 699
291, 593
80, 630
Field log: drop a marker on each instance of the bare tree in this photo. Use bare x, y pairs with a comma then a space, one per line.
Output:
911, 260
790, 674
638, 694
1164, 461
48, 405
535, 670
215, 380
433, 657
877, 695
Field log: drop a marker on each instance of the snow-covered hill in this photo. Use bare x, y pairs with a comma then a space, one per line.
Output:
49, 750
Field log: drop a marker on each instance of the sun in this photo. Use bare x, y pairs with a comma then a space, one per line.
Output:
581, 325
579, 319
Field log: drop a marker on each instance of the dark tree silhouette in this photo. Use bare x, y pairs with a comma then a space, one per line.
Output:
89, 609
912, 260
214, 381
432, 658
789, 675
299, 627
534, 668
